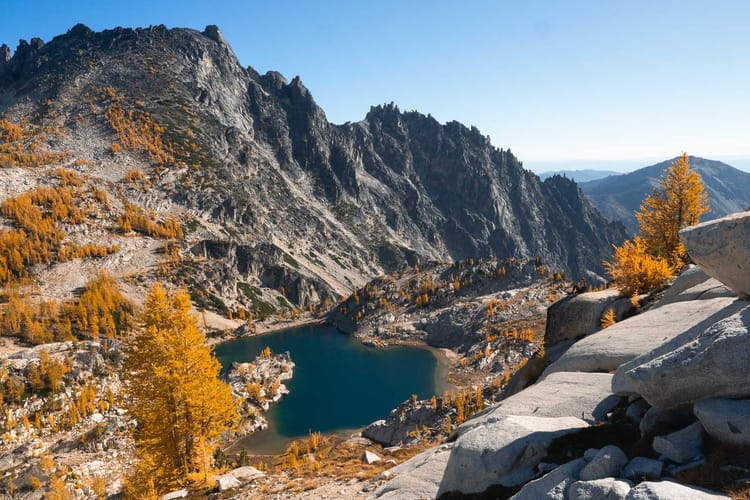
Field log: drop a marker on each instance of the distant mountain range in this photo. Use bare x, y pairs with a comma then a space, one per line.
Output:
618, 197
583, 175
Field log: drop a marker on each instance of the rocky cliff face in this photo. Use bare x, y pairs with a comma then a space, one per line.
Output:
275, 195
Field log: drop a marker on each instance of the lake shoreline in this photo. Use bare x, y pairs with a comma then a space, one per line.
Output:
266, 443
265, 327
444, 356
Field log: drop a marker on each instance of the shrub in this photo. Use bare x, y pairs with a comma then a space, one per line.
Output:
608, 318
635, 271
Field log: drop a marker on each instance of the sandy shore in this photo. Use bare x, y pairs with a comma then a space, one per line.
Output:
263, 327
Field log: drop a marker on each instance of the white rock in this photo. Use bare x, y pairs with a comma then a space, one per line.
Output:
604, 351
599, 489
553, 485
370, 458
579, 315
417, 478
608, 462
722, 248
641, 468
682, 446
709, 360
183, 493
726, 420
564, 394
667, 490
693, 283
505, 452
227, 482
246, 473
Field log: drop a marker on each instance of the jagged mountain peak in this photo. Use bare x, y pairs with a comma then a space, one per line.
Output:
282, 198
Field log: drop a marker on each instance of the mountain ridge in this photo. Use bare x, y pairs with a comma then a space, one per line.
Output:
279, 197
579, 175
619, 197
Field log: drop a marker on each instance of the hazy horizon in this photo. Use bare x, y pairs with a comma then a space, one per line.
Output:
624, 166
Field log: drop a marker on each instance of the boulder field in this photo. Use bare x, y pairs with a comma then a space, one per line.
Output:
656, 406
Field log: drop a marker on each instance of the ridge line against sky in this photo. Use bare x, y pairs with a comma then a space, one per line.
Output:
589, 84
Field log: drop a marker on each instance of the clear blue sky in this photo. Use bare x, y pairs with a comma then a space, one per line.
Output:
558, 82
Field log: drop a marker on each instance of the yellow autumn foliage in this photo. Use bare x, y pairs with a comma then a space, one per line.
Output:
175, 395
677, 202
634, 270
608, 318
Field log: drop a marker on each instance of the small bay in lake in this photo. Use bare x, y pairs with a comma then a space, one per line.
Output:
338, 383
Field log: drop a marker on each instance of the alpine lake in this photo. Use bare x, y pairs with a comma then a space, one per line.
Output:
339, 384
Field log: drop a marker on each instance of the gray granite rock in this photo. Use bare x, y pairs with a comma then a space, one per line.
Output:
608, 349
689, 278
579, 315
600, 489
564, 394
709, 289
553, 485
726, 420
608, 462
705, 361
657, 421
667, 490
227, 482
370, 457
636, 411
183, 493
640, 468
682, 446
722, 248
417, 478
504, 452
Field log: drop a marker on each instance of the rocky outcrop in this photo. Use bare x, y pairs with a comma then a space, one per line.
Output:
608, 349
403, 420
554, 484
607, 462
683, 348
718, 248
689, 279
562, 394
603, 489
682, 446
674, 374
642, 468
417, 478
726, 420
580, 315
668, 490
503, 453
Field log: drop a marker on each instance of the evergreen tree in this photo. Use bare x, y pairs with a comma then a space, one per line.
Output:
175, 395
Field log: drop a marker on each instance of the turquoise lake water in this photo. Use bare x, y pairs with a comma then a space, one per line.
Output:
338, 383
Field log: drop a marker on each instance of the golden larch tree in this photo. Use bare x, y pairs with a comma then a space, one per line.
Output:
175, 394
677, 202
